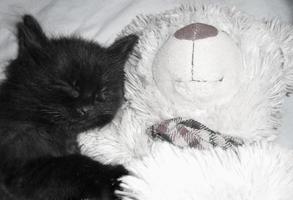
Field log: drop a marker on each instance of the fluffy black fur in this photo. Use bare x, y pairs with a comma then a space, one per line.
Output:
55, 89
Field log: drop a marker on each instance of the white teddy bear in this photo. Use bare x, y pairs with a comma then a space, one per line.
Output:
221, 68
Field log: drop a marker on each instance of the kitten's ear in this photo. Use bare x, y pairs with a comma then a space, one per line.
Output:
30, 33
122, 47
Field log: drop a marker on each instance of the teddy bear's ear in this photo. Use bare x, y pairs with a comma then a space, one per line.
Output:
284, 37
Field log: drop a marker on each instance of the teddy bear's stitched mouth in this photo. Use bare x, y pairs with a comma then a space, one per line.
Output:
202, 81
208, 81
193, 70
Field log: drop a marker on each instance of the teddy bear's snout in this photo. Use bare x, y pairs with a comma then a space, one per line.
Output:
196, 31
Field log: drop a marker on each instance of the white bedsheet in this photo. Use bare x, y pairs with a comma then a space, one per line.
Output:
101, 20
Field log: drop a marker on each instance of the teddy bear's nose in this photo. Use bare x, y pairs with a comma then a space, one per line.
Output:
196, 31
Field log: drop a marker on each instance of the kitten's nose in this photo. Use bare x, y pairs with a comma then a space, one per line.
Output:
87, 95
84, 109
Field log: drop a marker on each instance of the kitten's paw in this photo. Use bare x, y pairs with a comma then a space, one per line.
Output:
115, 173
105, 181
118, 171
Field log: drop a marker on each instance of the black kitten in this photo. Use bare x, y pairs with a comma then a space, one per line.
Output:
55, 89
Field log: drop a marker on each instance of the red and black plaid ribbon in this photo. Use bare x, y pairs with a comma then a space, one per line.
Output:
190, 133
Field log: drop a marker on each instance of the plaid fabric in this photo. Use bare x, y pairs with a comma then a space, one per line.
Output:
190, 133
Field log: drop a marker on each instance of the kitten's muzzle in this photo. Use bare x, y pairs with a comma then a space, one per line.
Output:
83, 110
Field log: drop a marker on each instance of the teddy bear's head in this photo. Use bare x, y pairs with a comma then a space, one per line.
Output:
198, 64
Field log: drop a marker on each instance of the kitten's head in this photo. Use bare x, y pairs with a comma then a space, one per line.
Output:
66, 81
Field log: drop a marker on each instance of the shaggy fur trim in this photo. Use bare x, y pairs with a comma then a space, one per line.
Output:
257, 172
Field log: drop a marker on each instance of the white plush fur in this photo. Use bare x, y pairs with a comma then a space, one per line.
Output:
260, 172
253, 113
257, 172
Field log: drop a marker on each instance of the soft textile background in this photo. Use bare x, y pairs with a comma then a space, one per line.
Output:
101, 20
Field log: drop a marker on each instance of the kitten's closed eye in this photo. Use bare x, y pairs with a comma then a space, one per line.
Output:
107, 94
72, 90
76, 85
101, 96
